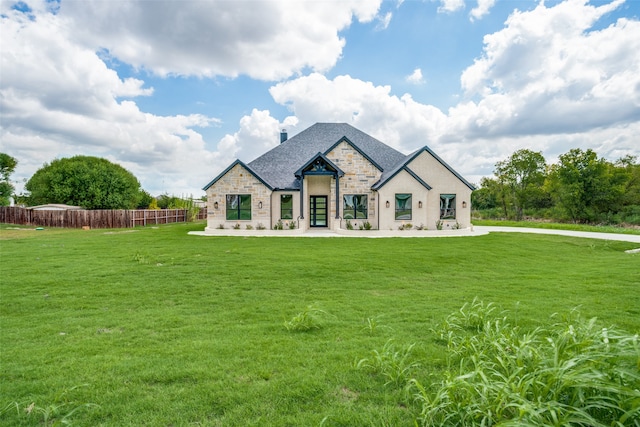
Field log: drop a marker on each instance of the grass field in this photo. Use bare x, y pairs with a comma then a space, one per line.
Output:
155, 327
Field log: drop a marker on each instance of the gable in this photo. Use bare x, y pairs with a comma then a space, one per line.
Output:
235, 174
427, 165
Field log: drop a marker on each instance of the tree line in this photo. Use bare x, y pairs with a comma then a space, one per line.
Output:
580, 188
85, 181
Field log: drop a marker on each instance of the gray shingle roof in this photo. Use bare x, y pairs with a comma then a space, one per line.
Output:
277, 167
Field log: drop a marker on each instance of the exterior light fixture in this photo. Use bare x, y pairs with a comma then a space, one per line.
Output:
464, 204
260, 205
420, 205
388, 204
215, 205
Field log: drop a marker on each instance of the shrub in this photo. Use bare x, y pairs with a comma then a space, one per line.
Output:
279, 225
349, 225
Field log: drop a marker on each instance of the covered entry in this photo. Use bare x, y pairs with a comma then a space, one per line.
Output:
316, 177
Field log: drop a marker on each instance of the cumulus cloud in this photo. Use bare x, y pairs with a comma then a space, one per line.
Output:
415, 77
267, 40
59, 99
448, 6
548, 72
483, 8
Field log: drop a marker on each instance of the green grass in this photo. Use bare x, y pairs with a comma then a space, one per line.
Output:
155, 327
558, 226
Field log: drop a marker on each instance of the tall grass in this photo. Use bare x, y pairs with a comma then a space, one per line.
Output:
571, 373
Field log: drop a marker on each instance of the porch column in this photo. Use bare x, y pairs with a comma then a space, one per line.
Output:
337, 197
302, 197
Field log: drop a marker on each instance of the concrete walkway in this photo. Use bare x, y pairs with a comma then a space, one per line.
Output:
468, 232
586, 234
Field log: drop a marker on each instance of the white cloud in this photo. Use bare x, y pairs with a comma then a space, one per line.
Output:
263, 39
415, 77
384, 21
448, 6
59, 99
547, 72
483, 8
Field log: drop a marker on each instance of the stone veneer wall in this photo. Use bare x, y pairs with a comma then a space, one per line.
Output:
359, 177
238, 181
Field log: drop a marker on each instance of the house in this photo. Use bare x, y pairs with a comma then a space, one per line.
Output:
332, 175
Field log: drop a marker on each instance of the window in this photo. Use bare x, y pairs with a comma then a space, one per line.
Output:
238, 206
403, 206
354, 206
447, 206
286, 206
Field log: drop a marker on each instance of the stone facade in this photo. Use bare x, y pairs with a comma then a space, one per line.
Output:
359, 176
238, 180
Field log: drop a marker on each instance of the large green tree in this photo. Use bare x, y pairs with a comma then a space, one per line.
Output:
585, 187
7, 166
522, 176
90, 182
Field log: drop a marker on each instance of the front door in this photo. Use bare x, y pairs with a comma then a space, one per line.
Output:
318, 211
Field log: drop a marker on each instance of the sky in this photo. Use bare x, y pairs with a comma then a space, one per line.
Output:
175, 91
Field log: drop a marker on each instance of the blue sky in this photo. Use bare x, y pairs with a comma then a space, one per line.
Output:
175, 91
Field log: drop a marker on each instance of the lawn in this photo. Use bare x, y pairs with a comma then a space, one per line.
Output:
156, 327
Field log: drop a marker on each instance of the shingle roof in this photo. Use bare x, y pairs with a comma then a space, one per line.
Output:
277, 167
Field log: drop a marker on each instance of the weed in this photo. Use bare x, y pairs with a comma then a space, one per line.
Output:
59, 412
394, 364
372, 324
572, 373
308, 319
140, 259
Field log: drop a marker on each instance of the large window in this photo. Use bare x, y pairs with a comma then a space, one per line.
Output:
238, 206
403, 206
447, 206
286, 206
354, 206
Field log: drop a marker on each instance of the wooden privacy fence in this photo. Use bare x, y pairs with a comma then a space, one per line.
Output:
94, 218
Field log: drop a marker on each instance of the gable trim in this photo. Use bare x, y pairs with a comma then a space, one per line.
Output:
443, 163
336, 170
231, 166
355, 147
405, 168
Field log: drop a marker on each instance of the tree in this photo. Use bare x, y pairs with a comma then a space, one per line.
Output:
7, 166
485, 197
522, 176
90, 182
584, 187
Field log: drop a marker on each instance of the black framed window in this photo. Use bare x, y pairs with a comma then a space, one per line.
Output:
447, 206
238, 206
403, 206
354, 206
286, 206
